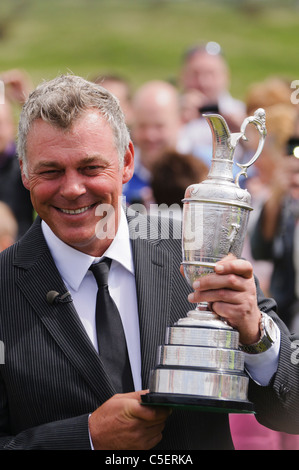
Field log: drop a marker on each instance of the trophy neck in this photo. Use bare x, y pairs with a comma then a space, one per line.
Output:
221, 168
224, 144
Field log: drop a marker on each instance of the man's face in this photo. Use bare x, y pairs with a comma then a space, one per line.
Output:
155, 130
71, 174
207, 74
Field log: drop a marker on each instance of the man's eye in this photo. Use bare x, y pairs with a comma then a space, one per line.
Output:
92, 169
49, 173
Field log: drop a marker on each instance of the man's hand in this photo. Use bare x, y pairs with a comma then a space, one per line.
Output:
18, 85
123, 423
231, 293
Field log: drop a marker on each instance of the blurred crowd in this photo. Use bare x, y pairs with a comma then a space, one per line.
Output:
173, 149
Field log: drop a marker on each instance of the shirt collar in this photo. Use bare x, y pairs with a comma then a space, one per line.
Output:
73, 264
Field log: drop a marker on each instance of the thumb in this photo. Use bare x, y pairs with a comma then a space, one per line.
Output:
135, 395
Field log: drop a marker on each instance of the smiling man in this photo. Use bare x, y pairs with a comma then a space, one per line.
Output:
72, 167
58, 389
70, 173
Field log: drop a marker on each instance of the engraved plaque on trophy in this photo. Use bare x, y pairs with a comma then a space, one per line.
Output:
200, 364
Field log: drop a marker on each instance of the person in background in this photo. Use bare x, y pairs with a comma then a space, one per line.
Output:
273, 95
12, 191
8, 227
205, 70
17, 84
155, 129
273, 237
269, 92
270, 186
172, 174
275, 234
120, 87
190, 103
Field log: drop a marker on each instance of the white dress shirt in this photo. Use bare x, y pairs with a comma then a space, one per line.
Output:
73, 266
261, 367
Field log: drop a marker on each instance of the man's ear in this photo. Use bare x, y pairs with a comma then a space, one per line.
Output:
128, 166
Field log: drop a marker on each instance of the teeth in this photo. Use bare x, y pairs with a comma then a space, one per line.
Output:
75, 211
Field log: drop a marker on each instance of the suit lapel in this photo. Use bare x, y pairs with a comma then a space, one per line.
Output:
153, 267
61, 320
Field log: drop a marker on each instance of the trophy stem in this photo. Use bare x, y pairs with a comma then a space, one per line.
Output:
202, 316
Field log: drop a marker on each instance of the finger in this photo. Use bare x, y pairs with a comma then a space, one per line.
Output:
182, 270
230, 288
153, 414
236, 266
223, 296
225, 282
132, 395
226, 309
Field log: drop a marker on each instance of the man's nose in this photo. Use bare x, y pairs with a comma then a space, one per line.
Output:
72, 186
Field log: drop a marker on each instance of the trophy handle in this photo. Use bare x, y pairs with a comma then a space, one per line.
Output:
259, 121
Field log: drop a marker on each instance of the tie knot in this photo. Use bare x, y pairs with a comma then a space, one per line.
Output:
101, 271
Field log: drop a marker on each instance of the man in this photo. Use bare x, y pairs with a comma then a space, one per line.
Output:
155, 130
275, 235
205, 70
120, 87
8, 226
12, 191
55, 392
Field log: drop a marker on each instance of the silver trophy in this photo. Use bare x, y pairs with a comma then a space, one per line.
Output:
200, 364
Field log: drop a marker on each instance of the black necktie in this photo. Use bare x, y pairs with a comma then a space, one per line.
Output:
111, 338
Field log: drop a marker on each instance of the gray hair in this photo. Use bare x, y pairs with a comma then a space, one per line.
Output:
64, 99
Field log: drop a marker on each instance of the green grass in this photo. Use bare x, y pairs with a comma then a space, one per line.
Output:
144, 39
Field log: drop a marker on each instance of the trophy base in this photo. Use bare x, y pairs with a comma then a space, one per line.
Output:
197, 388
210, 405
200, 367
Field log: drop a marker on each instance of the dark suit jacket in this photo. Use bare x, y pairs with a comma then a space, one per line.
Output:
53, 378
